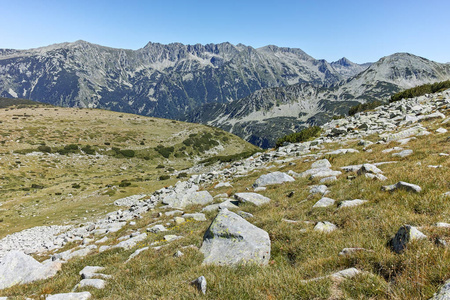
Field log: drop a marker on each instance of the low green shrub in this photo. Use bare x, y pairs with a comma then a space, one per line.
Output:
421, 90
301, 136
363, 107
164, 177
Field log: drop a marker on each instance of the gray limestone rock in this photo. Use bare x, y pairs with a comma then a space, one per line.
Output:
325, 226
402, 185
156, 228
273, 178
369, 168
324, 202
17, 267
95, 283
70, 296
351, 203
323, 163
253, 198
232, 240
403, 153
136, 253
195, 216
443, 293
200, 284
130, 243
403, 236
181, 200
318, 189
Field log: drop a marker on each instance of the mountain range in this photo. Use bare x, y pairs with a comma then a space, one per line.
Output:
258, 94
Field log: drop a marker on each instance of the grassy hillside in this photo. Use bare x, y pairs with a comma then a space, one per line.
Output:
61, 165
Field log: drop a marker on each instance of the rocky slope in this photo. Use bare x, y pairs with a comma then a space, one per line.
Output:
268, 114
360, 212
156, 80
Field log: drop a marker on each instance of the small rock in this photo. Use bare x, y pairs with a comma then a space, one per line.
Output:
441, 130
156, 229
325, 226
200, 284
404, 235
178, 254
318, 189
351, 203
179, 220
328, 179
369, 168
95, 283
222, 184
196, 216
70, 296
171, 237
324, 202
323, 163
402, 185
253, 198
259, 189
403, 153
351, 251
273, 178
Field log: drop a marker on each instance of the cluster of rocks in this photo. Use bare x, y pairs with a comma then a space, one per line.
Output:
230, 239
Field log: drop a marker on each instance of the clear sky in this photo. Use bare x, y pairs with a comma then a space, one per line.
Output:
362, 31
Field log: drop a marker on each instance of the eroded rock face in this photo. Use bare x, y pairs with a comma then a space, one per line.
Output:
231, 240
18, 268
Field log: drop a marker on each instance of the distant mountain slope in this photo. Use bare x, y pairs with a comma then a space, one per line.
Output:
157, 80
347, 68
268, 114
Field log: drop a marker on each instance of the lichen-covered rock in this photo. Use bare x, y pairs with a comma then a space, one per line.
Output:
325, 226
183, 199
324, 202
232, 240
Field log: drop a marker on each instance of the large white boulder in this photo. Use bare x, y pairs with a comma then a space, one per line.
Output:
232, 240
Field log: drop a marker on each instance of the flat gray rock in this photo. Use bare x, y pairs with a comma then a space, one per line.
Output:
324, 202
273, 178
402, 185
95, 283
351, 203
232, 240
403, 153
323, 163
195, 216
229, 204
130, 243
70, 296
17, 267
404, 235
443, 293
156, 228
253, 198
183, 199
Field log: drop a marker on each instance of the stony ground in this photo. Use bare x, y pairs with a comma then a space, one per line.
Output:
360, 213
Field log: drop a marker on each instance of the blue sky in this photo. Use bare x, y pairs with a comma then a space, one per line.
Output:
360, 30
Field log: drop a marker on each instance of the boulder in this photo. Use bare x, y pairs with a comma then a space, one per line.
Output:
232, 240
130, 243
253, 198
443, 293
182, 199
273, 178
95, 283
369, 168
17, 267
403, 153
195, 216
404, 235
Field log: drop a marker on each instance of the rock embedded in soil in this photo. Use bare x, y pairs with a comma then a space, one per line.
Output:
231, 240
253, 198
273, 178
